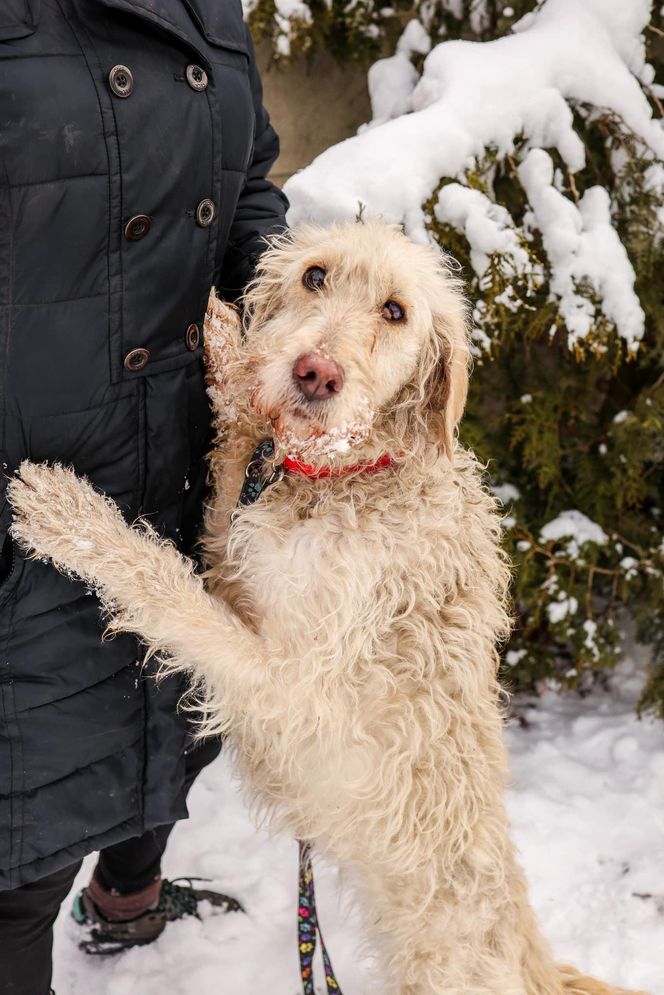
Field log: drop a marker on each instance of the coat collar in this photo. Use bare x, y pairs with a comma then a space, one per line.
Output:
219, 21
18, 18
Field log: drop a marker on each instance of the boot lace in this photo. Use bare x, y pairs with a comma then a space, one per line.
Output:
176, 900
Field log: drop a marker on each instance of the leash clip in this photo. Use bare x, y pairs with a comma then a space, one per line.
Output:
255, 479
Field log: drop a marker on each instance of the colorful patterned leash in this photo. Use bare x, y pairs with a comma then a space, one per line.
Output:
256, 480
308, 929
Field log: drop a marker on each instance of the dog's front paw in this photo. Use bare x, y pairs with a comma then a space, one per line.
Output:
59, 516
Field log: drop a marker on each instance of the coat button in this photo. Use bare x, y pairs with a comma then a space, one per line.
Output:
137, 227
205, 213
197, 78
136, 359
121, 81
192, 338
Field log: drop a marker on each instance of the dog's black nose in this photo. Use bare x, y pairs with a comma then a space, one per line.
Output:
318, 377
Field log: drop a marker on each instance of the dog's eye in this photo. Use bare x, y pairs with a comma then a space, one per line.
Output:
392, 311
314, 278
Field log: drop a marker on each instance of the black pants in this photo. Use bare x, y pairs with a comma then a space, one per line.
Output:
27, 914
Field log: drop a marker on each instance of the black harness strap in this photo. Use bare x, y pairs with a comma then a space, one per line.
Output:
256, 480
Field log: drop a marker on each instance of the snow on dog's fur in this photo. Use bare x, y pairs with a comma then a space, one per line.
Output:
345, 634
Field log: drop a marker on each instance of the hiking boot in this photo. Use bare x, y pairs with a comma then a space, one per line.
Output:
175, 902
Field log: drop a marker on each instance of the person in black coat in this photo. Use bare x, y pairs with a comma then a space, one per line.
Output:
134, 150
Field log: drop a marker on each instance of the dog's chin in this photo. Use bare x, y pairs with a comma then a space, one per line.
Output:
308, 439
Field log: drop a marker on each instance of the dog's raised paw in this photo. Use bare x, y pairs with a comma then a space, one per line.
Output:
57, 515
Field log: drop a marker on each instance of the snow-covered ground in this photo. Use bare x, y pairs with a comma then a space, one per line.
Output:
587, 806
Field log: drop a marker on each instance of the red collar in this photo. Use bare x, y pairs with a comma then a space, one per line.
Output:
307, 470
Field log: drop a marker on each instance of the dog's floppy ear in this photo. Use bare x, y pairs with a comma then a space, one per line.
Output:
446, 386
222, 340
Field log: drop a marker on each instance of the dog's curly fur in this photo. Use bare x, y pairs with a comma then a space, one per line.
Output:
345, 635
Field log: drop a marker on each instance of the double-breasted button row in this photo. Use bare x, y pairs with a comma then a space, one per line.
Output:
139, 225
138, 359
121, 79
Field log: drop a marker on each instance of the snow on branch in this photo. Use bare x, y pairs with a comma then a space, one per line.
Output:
514, 97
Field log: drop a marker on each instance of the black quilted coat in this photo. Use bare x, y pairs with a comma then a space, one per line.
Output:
133, 154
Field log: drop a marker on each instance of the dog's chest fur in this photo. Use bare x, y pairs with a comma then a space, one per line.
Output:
311, 565
304, 572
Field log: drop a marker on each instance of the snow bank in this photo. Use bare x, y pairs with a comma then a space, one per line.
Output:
587, 816
587, 808
473, 97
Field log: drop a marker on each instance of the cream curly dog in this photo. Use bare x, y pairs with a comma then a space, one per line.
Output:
344, 635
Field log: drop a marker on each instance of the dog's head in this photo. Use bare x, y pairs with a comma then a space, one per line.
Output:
356, 343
